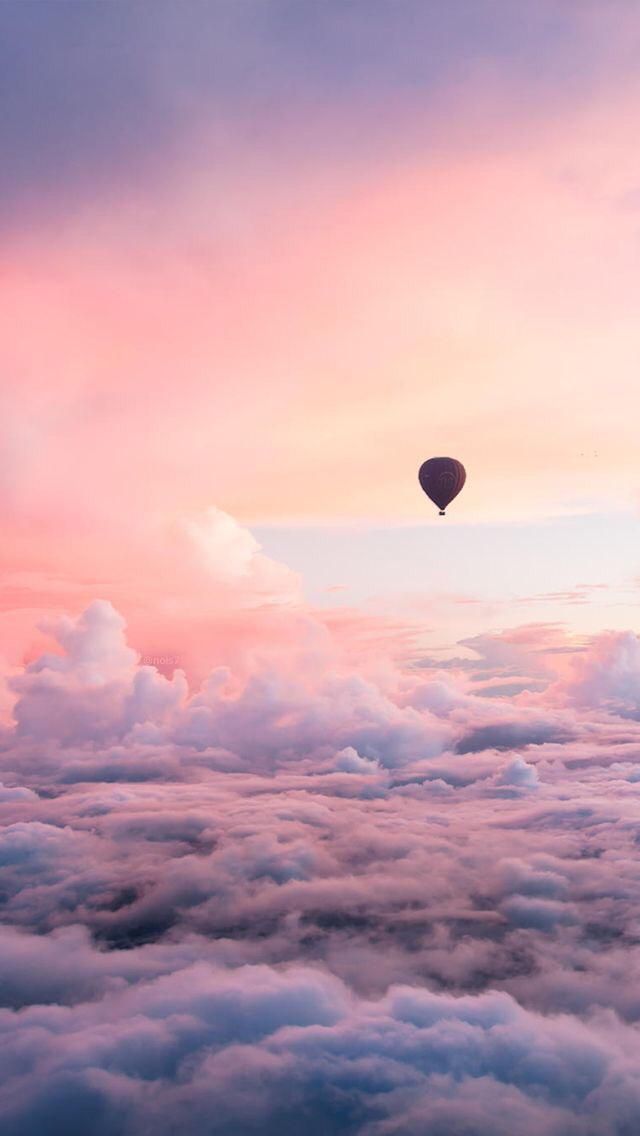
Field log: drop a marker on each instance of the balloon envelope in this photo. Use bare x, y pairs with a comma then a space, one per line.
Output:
442, 479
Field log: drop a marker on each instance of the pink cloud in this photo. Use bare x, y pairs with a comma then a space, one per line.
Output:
292, 875
607, 676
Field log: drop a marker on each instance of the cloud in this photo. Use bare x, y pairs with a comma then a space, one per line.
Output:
218, 1050
93, 690
293, 894
348, 760
17, 793
529, 730
518, 774
607, 676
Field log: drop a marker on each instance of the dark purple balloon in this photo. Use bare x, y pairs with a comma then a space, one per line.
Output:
442, 479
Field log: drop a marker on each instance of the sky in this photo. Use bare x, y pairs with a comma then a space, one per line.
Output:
331, 801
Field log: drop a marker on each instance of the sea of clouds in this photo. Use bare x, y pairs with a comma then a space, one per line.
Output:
322, 897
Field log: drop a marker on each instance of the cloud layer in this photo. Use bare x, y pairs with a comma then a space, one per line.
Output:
306, 895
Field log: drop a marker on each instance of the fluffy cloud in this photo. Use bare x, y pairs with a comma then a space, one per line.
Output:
608, 675
298, 895
209, 1049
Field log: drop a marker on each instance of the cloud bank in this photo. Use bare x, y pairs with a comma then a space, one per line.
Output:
310, 895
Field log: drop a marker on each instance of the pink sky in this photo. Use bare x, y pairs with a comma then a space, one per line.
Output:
281, 316
287, 340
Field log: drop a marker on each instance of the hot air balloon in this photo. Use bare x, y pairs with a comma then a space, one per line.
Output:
442, 479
